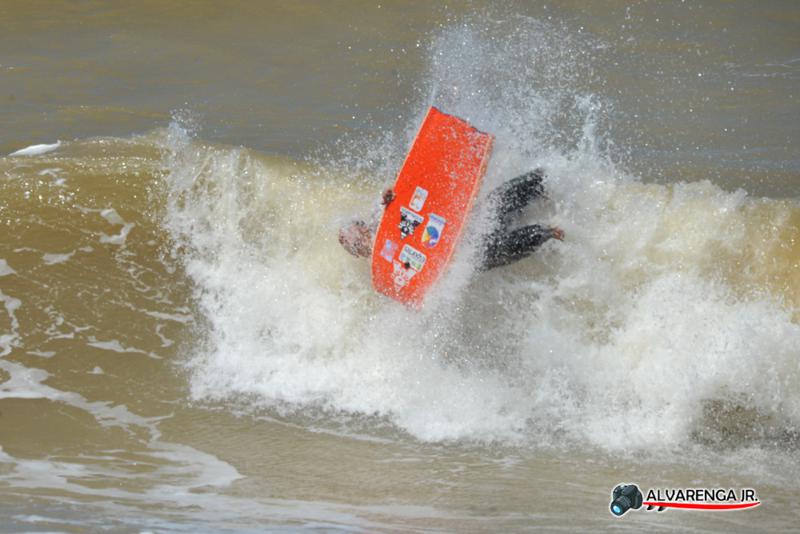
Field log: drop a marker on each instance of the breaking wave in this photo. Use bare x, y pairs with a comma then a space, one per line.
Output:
667, 316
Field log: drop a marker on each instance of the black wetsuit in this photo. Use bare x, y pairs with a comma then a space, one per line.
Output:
503, 245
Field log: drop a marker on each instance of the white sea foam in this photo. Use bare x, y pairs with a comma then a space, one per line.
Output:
36, 150
118, 239
10, 338
52, 259
111, 215
165, 341
42, 353
177, 317
615, 337
5, 268
54, 173
114, 345
619, 337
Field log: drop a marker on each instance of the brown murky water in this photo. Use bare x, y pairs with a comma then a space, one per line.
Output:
184, 346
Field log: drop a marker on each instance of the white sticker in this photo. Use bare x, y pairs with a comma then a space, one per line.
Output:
401, 275
412, 257
433, 230
408, 222
418, 200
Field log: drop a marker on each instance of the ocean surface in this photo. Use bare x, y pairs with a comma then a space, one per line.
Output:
185, 347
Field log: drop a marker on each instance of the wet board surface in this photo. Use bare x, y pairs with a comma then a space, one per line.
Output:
434, 194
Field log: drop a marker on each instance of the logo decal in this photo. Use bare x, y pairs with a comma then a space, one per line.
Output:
627, 497
433, 231
401, 275
389, 248
418, 200
412, 257
408, 222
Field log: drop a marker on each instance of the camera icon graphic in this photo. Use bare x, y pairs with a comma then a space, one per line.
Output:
625, 497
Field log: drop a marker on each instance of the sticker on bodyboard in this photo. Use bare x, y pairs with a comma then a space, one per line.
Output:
412, 257
418, 200
401, 275
389, 248
433, 230
408, 222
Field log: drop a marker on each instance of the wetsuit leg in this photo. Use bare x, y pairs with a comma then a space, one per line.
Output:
504, 248
510, 198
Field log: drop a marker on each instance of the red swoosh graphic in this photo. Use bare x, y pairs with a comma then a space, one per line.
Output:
703, 506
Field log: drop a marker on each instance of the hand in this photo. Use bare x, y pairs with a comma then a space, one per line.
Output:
388, 196
557, 233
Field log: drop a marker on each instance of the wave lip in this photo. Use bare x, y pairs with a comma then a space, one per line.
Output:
37, 150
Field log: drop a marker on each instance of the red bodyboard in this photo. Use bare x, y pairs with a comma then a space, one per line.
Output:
434, 194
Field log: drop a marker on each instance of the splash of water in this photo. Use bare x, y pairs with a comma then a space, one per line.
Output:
656, 307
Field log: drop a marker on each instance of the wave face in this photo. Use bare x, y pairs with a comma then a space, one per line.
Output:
667, 317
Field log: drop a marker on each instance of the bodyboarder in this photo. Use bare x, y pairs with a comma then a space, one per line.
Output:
502, 246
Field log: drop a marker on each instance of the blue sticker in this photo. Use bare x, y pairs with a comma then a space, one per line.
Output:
389, 248
433, 231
